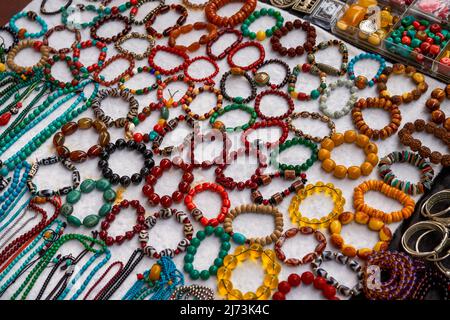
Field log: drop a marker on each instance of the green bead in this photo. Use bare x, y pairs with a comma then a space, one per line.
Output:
239, 238
225, 237
194, 274
74, 221
191, 250
66, 209
91, 220
164, 113
201, 235
104, 209
218, 262
315, 94
213, 270
87, 186
219, 231
188, 267
195, 242
73, 196
209, 230
222, 254
225, 246
252, 35
204, 275
109, 195
189, 258
102, 184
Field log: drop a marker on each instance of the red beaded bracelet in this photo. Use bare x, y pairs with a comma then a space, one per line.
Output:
162, 10
100, 79
228, 49
88, 44
241, 46
282, 94
163, 84
111, 216
174, 51
265, 124
210, 136
209, 79
307, 277
197, 213
157, 171
59, 28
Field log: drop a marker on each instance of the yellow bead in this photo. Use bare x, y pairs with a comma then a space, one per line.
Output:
328, 165
155, 272
230, 261
338, 139
223, 273
323, 154
381, 246
418, 77
263, 293
2, 67
374, 39
354, 172
340, 172
366, 168
161, 122
335, 226
371, 148
361, 217
250, 296
256, 250
261, 35
372, 158
362, 140
375, 224
385, 234
242, 253
224, 286
327, 144
271, 281
273, 268
350, 136
268, 257
235, 294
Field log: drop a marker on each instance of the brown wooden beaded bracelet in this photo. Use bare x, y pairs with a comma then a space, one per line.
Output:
314, 116
273, 92
409, 71
204, 39
308, 258
193, 94
214, 5
135, 35
36, 45
300, 49
255, 208
106, 19
59, 28
84, 124
129, 71
381, 103
162, 10
433, 104
406, 138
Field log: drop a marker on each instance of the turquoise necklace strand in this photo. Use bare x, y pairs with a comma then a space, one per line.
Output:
14, 193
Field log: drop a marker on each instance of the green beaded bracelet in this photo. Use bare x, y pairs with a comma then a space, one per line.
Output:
87, 186
235, 106
299, 167
261, 35
225, 246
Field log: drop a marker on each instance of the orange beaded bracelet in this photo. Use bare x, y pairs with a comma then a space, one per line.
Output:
214, 5
353, 172
204, 39
393, 193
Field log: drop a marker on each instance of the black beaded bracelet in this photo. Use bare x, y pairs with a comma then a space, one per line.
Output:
263, 78
237, 72
13, 36
48, 13
106, 19
131, 145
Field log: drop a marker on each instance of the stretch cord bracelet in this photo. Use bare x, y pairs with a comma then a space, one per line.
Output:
170, 103
107, 120
294, 280
227, 50
197, 214
242, 45
308, 258
297, 24
106, 19
197, 292
70, 128
361, 81
87, 186
433, 105
161, 10
219, 125
273, 92
244, 12
77, 72
144, 90
432, 280
101, 79
242, 253
191, 251
14, 37
37, 46
329, 70
339, 258
328, 190
374, 224
130, 126
22, 33
380, 103
353, 172
59, 28
164, 214
135, 35
76, 12
170, 126
47, 193
173, 51
130, 145
207, 79
262, 78
241, 73
426, 172
44, 11
315, 93
393, 193
326, 93
210, 136
261, 35
265, 124
194, 46
407, 139
89, 44
254, 208
187, 105
298, 168
315, 116
137, 4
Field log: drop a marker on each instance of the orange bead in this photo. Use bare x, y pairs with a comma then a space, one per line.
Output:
340, 172
327, 144
350, 136
362, 140
328, 165
323, 154
366, 168
354, 172
371, 148
372, 158
338, 139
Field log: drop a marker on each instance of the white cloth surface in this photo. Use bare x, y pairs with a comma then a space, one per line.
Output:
247, 277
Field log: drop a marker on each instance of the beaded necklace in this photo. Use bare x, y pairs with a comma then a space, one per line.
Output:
14, 192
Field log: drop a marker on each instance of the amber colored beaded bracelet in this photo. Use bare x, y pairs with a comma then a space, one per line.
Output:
204, 39
214, 5
433, 105
169, 103
162, 10
315, 116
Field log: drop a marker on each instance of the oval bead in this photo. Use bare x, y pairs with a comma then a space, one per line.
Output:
58, 139
104, 209
109, 195
66, 209
104, 138
239, 238
78, 156
85, 123
91, 220
87, 186
69, 128
74, 221
102, 184
73, 196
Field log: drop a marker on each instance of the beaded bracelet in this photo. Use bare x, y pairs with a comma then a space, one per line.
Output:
45, 12
265, 124
167, 213
88, 44
104, 20
101, 80
314, 116
107, 120
214, 5
406, 138
14, 37
156, 172
191, 95
137, 4
71, 24
241, 46
225, 246
130, 145
174, 51
319, 188
339, 258
111, 216
277, 197
433, 105
261, 35
374, 224
242, 73
204, 39
144, 90
87, 186
141, 117
60, 28
78, 73
262, 78
209, 79
297, 24
196, 291
163, 84
235, 106
315, 93
288, 144
278, 93
36, 45
135, 35
211, 135
308, 258
326, 93
361, 81
170, 126
341, 171
70, 128
197, 213
162, 10
408, 71
317, 66
22, 33
47, 193
226, 51
271, 271
307, 278
194, 6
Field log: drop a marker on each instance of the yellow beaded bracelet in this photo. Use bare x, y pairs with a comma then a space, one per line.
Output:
327, 189
255, 251
374, 224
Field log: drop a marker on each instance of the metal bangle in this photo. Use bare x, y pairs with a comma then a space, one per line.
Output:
432, 201
427, 226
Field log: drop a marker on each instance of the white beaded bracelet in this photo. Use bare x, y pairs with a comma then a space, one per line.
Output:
327, 92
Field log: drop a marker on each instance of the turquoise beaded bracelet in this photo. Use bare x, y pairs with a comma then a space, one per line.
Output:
235, 106
299, 167
23, 33
361, 81
261, 35
66, 13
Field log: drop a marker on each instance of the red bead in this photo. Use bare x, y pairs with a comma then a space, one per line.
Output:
434, 49
319, 282
329, 291
406, 40
435, 28
177, 196
166, 201
294, 280
284, 287
307, 277
138, 137
278, 296
153, 199
4, 118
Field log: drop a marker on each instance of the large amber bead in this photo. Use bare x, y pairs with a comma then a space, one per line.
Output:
352, 17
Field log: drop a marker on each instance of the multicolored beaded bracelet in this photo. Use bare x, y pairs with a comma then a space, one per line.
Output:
277, 197
106, 19
238, 72
59, 28
265, 124
278, 93
178, 8
209, 79
315, 93
326, 93
135, 35
433, 105
89, 44
77, 73
23, 33
261, 35
101, 80
71, 10
174, 51
14, 37
162, 130
288, 144
144, 90
240, 46
310, 40
227, 50
87, 186
314, 116
163, 84
186, 106
262, 78
319, 188
225, 246
426, 172
235, 106
332, 71
361, 81
141, 117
